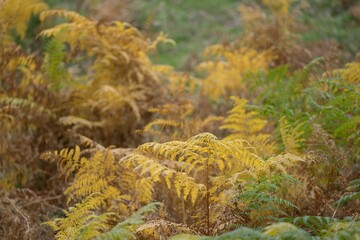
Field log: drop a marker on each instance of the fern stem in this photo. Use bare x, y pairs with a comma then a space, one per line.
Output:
183, 210
207, 198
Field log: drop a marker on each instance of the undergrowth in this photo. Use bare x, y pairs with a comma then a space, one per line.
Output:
259, 140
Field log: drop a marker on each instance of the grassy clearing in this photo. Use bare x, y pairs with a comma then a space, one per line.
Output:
192, 24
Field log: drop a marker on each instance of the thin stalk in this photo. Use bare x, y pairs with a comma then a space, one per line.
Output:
207, 199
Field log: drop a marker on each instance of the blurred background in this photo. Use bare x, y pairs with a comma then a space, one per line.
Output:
196, 24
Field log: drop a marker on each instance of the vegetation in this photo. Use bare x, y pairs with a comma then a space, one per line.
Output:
105, 132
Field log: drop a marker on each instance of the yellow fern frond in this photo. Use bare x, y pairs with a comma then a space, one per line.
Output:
285, 161
122, 83
68, 15
245, 125
224, 75
280, 7
146, 166
68, 160
192, 158
79, 217
18, 12
78, 122
351, 73
177, 122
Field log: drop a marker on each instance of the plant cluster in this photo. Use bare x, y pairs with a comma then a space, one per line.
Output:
97, 142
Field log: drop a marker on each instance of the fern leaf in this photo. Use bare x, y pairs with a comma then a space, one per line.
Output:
52, 65
18, 12
351, 73
241, 234
350, 129
69, 15
78, 122
343, 230
245, 125
352, 186
77, 216
313, 223
292, 138
123, 230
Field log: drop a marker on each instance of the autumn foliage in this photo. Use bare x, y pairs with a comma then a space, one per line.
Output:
260, 140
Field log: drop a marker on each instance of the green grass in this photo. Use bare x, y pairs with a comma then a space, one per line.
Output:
329, 19
192, 24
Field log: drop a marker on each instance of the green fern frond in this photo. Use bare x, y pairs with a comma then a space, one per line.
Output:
342, 230
125, 229
242, 233
96, 226
349, 197
263, 199
185, 237
353, 186
266, 198
53, 63
286, 230
314, 223
350, 129
21, 103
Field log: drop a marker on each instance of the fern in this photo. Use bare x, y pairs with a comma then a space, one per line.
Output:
202, 169
314, 223
280, 7
53, 63
350, 129
274, 231
78, 122
341, 230
286, 231
247, 126
96, 175
353, 186
351, 73
97, 186
120, 84
224, 74
263, 200
177, 122
241, 233
17, 13
79, 219
12, 103
328, 228
292, 138
125, 229
194, 161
